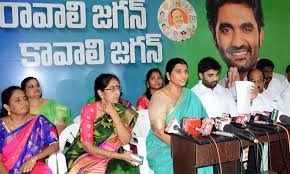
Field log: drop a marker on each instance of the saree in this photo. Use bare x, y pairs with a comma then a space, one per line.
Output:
187, 105
28, 140
121, 101
54, 112
101, 132
142, 103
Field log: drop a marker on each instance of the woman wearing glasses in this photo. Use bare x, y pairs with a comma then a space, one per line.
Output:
105, 126
173, 101
56, 113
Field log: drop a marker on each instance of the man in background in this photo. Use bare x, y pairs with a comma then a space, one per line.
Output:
273, 82
216, 99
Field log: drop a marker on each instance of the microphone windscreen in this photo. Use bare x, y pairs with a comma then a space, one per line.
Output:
230, 128
285, 119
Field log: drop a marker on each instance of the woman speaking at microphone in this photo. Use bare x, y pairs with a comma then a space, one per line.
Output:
171, 101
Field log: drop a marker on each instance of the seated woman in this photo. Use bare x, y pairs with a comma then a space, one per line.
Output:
25, 139
154, 83
105, 126
56, 113
172, 101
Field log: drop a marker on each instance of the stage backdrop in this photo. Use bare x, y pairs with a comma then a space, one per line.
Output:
66, 44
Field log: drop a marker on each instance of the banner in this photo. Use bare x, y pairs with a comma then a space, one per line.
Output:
67, 44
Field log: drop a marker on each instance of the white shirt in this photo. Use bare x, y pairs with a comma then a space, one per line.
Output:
275, 87
285, 84
284, 101
217, 101
262, 103
278, 76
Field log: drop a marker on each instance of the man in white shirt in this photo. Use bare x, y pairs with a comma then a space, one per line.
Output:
286, 82
272, 85
285, 101
216, 99
263, 101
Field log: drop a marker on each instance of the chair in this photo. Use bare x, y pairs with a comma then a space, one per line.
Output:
142, 126
77, 119
140, 132
57, 161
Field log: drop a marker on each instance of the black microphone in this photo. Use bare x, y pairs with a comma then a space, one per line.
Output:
285, 119
177, 128
265, 118
239, 132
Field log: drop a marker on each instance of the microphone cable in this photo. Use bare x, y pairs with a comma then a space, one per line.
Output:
256, 149
288, 137
281, 148
261, 152
269, 144
241, 153
218, 154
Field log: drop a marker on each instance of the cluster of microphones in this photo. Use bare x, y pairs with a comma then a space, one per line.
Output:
230, 126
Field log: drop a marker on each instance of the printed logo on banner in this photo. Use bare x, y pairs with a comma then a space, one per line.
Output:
177, 19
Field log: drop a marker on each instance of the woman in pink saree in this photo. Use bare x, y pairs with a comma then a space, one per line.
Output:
25, 139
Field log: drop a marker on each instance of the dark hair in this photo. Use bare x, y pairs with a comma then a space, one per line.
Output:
149, 73
102, 82
288, 69
175, 9
208, 63
251, 71
262, 63
5, 98
24, 81
212, 8
171, 64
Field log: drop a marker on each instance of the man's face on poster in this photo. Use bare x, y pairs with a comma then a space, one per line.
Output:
177, 17
237, 36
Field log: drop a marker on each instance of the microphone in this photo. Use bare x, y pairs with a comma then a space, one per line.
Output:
174, 128
206, 126
225, 134
239, 132
221, 122
177, 128
171, 127
285, 119
264, 118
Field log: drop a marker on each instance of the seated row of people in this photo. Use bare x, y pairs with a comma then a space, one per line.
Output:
106, 124
26, 139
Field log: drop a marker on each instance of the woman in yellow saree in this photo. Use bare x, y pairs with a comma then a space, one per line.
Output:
105, 126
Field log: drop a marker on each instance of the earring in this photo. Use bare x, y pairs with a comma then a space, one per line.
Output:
8, 113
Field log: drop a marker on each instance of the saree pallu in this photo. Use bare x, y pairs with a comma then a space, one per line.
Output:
26, 141
142, 103
54, 112
158, 152
104, 137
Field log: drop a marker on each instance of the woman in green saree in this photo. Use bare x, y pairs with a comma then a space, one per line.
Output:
105, 126
172, 101
57, 114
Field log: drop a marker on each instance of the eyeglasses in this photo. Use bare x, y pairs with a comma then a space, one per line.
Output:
114, 88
